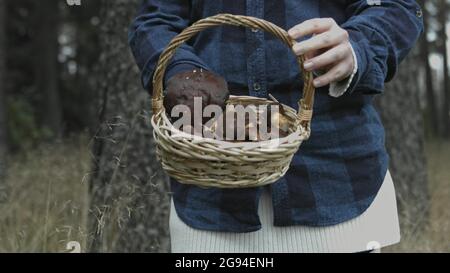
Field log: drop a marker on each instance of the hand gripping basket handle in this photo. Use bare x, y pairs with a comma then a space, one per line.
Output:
305, 104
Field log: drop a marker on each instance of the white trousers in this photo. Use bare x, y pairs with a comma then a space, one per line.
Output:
377, 227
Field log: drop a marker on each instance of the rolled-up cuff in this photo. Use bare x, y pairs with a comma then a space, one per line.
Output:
337, 89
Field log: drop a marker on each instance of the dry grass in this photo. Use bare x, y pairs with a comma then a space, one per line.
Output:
436, 236
48, 201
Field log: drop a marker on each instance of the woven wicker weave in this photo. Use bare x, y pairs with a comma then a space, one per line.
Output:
213, 163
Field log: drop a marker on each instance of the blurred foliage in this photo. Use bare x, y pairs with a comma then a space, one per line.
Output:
23, 128
77, 53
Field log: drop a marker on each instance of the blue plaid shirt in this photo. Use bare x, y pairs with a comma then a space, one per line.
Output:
337, 173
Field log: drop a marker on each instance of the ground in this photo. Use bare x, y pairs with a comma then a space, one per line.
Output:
436, 237
48, 204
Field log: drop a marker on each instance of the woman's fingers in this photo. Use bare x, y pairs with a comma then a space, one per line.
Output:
339, 72
327, 39
329, 48
330, 57
312, 26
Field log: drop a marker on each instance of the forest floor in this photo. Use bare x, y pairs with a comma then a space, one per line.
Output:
436, 236
48, 203
48, 198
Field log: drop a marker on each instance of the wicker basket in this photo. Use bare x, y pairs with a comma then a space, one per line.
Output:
213, 163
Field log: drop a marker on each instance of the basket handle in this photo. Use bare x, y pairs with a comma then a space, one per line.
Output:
305, 105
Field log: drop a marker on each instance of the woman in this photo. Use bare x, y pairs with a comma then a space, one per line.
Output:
338, 195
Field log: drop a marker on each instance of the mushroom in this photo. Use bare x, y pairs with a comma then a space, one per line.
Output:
183, 87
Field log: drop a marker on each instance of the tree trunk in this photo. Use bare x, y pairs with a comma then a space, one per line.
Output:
432, 109
46, 64
129, 191
446, 87
3, 126
402, 117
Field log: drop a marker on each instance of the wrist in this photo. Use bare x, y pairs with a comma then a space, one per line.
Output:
337, 89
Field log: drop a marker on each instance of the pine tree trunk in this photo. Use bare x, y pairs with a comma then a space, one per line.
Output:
46, 64
401, 114
3, 126
432, 109
129, 191
443, 7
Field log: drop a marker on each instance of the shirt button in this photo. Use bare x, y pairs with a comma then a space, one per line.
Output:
419, 13
256, 86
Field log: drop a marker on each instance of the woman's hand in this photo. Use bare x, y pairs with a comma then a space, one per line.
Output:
328, 49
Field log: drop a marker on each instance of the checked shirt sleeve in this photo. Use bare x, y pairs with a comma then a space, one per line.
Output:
381, 33
157, 23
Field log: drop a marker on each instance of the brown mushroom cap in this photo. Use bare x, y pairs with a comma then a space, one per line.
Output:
185, 86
